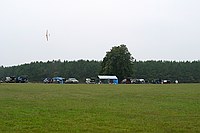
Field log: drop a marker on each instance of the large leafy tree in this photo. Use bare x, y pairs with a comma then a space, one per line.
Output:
118, 61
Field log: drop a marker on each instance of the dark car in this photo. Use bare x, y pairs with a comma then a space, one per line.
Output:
21, 79
126, 81
47, 80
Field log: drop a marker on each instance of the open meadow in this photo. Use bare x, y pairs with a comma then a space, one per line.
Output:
99, 108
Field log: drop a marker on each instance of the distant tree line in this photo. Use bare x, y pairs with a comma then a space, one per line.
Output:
185, 72
37, 71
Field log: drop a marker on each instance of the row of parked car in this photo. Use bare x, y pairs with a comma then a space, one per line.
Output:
61, 80
13, 79
93, 80
133, 81
142, 81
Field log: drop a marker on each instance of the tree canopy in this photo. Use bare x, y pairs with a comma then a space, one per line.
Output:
118, 61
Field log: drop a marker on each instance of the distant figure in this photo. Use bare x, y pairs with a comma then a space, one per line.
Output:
47, 35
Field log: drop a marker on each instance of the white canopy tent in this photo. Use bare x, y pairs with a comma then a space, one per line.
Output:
108, 79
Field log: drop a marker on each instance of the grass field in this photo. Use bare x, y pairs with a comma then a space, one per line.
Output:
99, 108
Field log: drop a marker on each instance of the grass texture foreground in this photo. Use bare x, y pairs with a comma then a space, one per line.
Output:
99, 108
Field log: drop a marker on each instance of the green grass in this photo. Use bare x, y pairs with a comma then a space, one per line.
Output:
99, 108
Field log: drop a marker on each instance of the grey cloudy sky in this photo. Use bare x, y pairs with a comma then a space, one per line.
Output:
86, 29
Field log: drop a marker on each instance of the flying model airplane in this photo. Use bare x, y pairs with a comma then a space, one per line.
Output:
47, 35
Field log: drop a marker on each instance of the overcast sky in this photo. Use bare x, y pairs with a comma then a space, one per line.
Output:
87, 29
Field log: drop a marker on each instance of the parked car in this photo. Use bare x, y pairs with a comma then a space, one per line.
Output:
47, 80
157, 81
71, 81
166, 81
90, 81
138, 81
11, 79
21, 79
58, 80
126, 81
160, 81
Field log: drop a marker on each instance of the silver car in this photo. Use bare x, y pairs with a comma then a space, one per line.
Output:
71, 81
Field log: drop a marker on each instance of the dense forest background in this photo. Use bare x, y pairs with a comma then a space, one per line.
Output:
184, 72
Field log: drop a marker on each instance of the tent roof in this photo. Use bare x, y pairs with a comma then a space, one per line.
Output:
106, 77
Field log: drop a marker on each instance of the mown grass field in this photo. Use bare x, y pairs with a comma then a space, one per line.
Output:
99, 108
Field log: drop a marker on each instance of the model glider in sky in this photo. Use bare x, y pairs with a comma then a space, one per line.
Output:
47, 35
